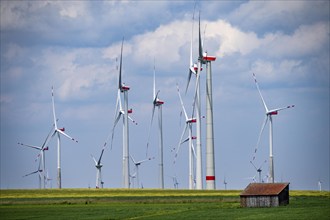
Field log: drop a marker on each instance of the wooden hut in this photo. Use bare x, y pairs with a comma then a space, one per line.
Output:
265, 195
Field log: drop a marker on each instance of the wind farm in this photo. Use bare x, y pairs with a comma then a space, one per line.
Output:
233, 73
212, 85
199, 172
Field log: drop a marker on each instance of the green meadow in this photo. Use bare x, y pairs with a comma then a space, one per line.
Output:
153, 204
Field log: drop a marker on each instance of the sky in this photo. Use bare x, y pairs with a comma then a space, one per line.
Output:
74, 46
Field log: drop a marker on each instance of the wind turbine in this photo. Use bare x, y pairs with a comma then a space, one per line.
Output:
319, 183
98, 165
269, 116
225, 182
189, 122
175, 182
197, 100
39, 171
259, 170
42, 150
210, 165
158, 103
43, 158
122, 88
137, 164
58, 132
48, 179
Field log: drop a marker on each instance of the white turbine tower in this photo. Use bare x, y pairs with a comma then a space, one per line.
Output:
58, 132
158, 103
269, 115
189, 122
137, 164
122, 88
98, 165
210, 164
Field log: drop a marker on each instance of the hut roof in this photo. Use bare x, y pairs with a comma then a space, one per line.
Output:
264, 189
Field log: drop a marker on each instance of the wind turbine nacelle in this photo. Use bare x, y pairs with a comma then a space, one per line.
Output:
46, 148
194, 137
62, 129
129, 111
209, 58
192, 120
124, 88
159, 102
273, 113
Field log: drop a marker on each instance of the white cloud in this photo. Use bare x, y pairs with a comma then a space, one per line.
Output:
306, 40
164, 44
275, 71
271, 15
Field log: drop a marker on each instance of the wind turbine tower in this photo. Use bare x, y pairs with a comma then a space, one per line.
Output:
210, 165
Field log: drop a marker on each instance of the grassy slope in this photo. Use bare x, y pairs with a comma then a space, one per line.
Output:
152, 204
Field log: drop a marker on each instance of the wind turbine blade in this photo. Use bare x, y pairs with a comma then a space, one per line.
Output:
200, 48
31, 146
31, 173
142, 161
261, 131
53, 103
193, 149
113, 128
66, 135
191, 64
184, 110
262, 164
195, 101
130, 118
152, 117
120, 64
254, 165
179, 145
94, 159
99, 161
133, 159
48, 137
262, 98
184, 141
280, 109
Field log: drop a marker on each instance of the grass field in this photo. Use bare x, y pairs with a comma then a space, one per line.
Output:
153, 204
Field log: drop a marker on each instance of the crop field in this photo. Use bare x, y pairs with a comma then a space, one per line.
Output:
153, 204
